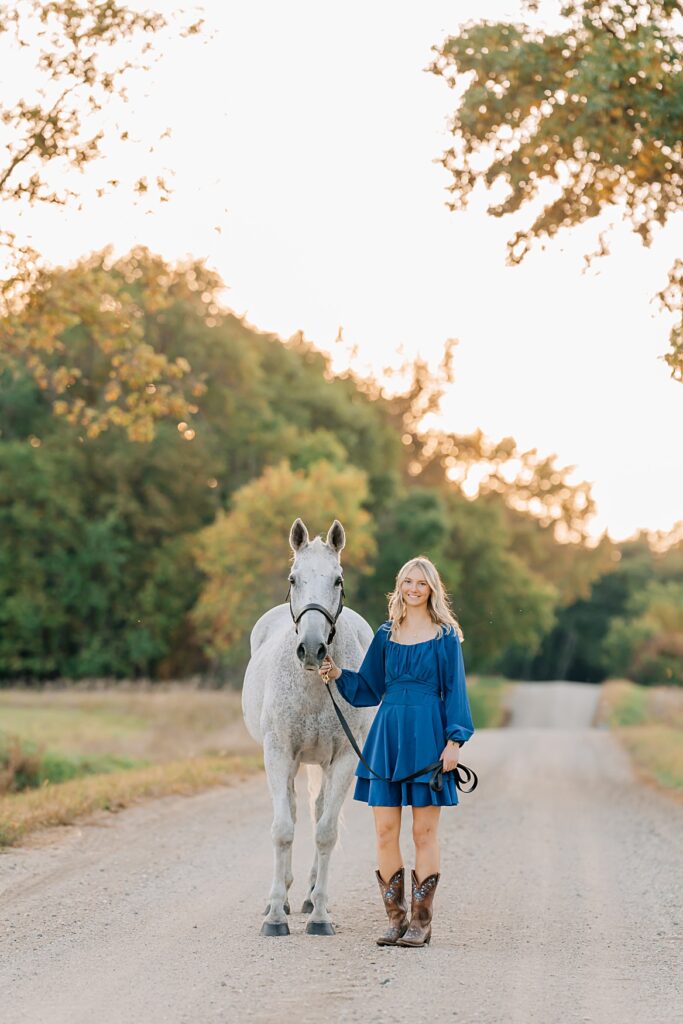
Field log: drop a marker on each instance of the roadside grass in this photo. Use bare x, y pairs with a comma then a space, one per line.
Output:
166, 722
486, 696
648, 720
26, 765
68, 752
63, 803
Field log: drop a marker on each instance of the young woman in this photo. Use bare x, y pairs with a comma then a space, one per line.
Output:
414, 669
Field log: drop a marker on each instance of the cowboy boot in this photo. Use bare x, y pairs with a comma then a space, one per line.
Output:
419, 930
395, 906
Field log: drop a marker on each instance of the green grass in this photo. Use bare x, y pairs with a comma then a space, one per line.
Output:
630, 707
648, 721
26, 765
486, 701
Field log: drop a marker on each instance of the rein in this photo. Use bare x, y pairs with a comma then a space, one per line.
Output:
435, 782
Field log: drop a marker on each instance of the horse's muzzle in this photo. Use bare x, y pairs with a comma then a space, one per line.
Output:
311, 655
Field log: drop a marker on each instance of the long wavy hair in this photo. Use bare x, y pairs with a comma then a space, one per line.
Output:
438, 604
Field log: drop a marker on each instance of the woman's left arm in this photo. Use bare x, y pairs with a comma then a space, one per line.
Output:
459, 724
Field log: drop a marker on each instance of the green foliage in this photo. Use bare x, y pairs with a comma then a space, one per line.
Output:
577, 647
83, 336
646, 643
414, 524
97, 574
113, 555
591, 113
244, 553
500, 602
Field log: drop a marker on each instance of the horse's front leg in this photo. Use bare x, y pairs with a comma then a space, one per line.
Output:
280, 770
337, 779
307, 906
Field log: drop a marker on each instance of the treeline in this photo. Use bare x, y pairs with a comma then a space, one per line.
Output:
152, 555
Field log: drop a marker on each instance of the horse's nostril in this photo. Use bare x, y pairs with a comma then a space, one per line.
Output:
301, 652
322, 651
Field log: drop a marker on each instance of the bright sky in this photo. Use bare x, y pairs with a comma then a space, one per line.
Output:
304, 136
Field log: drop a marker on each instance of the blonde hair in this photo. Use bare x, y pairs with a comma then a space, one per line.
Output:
438, 604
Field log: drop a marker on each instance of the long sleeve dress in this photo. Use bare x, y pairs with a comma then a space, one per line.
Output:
423, 700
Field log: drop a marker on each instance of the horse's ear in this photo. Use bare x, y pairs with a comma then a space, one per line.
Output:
298, 535
336, 538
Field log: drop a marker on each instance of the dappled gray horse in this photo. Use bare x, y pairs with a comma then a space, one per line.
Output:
287, 710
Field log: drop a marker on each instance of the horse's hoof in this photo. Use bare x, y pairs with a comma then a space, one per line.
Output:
307, 907
285, 908
277, 928
320, 928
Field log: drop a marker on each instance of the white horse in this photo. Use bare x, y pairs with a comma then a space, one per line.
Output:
287, 710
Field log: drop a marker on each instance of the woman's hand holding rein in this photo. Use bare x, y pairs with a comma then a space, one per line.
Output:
450, 755
328, 670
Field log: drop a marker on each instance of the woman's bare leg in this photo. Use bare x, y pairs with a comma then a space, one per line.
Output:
388, 829
426, 839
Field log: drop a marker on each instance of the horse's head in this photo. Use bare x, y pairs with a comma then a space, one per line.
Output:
316, 583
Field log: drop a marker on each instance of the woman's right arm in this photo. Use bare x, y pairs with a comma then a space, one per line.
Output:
365, 688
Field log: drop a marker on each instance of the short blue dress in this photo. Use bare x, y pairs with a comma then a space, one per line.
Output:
423, 702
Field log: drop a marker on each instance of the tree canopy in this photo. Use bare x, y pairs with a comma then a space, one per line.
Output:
52, 125
584, 119
154, 558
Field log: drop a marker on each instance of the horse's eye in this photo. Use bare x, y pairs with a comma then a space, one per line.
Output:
291, 580
339, 580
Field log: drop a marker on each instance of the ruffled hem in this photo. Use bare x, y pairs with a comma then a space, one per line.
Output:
405, 794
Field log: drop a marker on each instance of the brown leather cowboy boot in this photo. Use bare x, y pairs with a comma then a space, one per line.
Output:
395, 906
419, 930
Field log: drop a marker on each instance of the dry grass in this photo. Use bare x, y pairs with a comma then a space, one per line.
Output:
190, 738
166, 723
193, 738
648, 721
21, 813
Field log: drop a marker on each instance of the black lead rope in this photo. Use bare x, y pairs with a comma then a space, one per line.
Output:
435, 782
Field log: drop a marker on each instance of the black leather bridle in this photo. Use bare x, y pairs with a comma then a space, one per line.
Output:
332, 619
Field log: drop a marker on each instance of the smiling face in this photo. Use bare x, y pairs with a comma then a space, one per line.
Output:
415, 589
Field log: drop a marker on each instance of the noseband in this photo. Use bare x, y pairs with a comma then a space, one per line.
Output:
317, 608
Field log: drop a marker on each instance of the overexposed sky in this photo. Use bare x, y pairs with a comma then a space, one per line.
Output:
302, 158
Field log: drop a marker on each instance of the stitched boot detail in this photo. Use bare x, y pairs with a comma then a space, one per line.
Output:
419, 931
395, 905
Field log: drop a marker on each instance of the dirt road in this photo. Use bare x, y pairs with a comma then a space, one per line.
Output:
560, 901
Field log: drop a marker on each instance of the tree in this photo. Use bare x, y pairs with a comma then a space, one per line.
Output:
83, 337
500, 602
244, 553
594, 110
646, 643
526, 481
76, 71
413, 524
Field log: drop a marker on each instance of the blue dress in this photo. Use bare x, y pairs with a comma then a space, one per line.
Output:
423, 702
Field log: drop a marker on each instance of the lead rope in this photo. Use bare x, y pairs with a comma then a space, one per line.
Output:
436, 780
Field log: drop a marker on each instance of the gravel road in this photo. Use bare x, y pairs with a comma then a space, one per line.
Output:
560, 901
